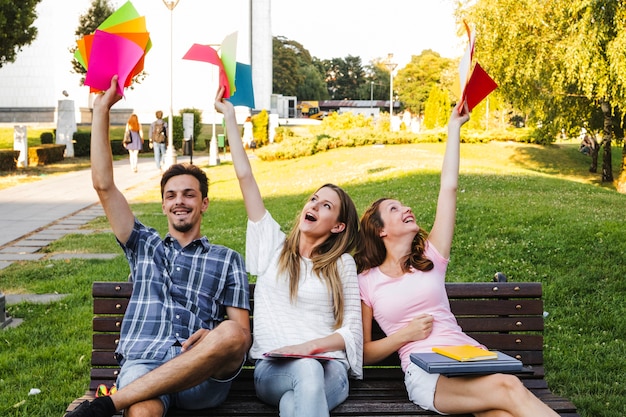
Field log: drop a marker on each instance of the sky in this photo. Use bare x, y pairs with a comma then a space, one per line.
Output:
365, 28
369, 29
327, 29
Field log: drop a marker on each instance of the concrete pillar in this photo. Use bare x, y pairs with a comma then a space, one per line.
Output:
20, 143
261, 51
4, 319
66, 126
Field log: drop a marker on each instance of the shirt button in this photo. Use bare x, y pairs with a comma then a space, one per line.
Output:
178, 316
177, 334
178, 268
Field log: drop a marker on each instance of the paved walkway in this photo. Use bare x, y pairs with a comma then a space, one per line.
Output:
32, 215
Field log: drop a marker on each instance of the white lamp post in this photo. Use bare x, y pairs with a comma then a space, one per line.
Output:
390, 66
372, 98
170, 153
214, 155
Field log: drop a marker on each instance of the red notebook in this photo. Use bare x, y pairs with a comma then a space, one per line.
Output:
294, 356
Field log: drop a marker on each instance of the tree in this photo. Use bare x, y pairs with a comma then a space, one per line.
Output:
559, 61
313, 86
415, 81
295, 72
376, 85
16, 27
436, 108
285, 66
98, 12
344, 77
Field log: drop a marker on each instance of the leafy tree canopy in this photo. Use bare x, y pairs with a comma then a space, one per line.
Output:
555, 60
16, 27
88, 22
344, 77
292, 65
415, 82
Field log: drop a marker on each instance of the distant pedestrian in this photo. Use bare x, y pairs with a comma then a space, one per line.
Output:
158, 138
248, 137
588, 144
135, 133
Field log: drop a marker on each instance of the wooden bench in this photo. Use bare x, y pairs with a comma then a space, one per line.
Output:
501, 315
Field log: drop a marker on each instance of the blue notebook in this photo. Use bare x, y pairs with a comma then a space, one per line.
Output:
434, 363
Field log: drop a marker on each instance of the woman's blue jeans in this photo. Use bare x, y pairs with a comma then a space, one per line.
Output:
301, 387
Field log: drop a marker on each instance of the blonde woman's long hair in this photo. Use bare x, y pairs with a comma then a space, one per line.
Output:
325, 256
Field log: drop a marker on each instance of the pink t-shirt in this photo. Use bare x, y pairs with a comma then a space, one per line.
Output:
396, 301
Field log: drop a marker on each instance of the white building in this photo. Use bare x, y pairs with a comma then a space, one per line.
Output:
32, 85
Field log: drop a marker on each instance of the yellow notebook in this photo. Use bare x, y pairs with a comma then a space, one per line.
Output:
465, 353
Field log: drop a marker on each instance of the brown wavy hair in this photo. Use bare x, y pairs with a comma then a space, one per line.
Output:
371, 251
186, 169
324, 256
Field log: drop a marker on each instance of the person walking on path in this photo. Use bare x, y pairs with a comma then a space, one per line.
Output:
158, 138
135, 133
247, 132
175, 348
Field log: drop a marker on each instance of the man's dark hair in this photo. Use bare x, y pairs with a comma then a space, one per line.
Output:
186, 169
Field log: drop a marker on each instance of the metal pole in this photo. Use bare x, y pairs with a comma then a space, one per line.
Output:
170, 153
214, 154
390, 66
372, 98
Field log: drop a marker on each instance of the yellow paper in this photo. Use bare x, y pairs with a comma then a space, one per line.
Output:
465, 353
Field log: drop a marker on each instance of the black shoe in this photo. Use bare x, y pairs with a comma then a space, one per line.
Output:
100, 407
80, 411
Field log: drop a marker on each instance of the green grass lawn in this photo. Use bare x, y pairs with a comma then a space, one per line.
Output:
533, 213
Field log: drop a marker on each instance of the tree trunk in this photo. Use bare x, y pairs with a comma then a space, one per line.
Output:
594, 155
607, 167
621, 179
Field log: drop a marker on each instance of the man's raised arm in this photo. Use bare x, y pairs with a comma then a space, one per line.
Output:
113, 201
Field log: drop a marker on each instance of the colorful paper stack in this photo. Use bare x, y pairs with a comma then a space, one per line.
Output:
475, 83
235, 77
117, 47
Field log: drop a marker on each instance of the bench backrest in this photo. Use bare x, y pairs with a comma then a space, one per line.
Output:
504, 316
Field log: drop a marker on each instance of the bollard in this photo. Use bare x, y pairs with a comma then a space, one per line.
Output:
4, 319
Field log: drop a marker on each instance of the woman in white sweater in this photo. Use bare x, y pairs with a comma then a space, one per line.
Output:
307, 299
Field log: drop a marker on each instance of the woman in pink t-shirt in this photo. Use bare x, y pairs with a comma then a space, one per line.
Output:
402, 272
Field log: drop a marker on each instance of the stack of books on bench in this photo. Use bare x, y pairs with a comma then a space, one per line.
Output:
465, 360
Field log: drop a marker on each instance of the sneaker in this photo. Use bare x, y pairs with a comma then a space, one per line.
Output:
80, 411
100, 407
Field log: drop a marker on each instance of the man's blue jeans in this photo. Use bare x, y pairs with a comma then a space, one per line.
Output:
301, 387
159, 154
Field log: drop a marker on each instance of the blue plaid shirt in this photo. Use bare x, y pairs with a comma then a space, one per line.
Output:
177, 291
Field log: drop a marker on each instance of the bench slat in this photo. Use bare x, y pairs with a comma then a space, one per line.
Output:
504, 316
494, 289
495, 307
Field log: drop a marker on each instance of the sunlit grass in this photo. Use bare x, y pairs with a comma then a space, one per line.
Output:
534, 213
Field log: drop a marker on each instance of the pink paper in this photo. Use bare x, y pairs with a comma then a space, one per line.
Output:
110, 55
206, 53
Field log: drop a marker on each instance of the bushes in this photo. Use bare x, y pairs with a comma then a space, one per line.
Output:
47, 138
197, 124
349, 130
8, 159
45, 154
260, 123
82, 143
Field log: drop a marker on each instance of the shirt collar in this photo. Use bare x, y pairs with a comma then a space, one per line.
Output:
201, 241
